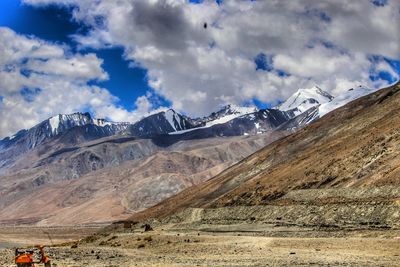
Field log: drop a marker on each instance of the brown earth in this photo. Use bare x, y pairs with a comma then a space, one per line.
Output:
356, 146
60, 193
11, 236
185, 247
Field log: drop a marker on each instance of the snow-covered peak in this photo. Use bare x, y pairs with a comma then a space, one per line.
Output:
344, 98
227, 113
234, 109
61, 122
102, 122
54, 123
68, 120
173, 118
304, 99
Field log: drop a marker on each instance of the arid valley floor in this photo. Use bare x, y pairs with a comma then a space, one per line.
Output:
250, 244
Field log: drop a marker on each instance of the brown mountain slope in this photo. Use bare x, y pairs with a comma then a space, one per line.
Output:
61, 192
355, 146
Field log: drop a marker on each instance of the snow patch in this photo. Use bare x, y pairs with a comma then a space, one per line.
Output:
102, 122
222, 120
343, 99
54, 123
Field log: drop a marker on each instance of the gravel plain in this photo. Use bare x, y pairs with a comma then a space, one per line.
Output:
172, 247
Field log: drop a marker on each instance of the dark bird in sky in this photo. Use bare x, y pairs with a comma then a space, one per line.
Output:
205, 25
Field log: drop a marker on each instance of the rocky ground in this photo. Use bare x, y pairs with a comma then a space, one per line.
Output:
227, 246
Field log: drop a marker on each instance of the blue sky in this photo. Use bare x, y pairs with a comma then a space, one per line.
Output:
55, 24
139, 57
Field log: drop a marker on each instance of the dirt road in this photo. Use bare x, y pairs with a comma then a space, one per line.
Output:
27, 235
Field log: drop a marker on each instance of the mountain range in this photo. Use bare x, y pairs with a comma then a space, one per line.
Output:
72, 168
339, 173
249, 120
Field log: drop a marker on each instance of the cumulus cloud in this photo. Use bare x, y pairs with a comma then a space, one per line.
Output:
39, 79
85, 67
143, 104
197, 68
329, 43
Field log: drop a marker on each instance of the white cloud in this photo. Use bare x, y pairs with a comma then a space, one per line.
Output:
86, 67
16, 49
363, 27
143, 104
199, 69
196, 68
39, 79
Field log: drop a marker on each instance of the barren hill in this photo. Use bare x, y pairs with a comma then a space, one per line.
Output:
104, 180
352, 151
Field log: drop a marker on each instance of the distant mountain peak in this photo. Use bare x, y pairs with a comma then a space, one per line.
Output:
304, 99
225, 114
307, 104
78, 119
74, 119
174, 119
62, 123
236, 109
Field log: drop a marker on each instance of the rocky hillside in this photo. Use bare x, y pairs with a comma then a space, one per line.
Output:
355, 146
108, 179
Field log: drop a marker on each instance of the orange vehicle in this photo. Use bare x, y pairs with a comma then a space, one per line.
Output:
28, 257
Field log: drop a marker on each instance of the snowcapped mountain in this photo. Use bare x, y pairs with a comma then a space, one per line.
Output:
71, 129
344, 98
62, 122
257, 122
225, 114
304, 99
261, 121
59, 124
87, 128
161, 123
239, 121
302, 108
311, 104
171, 122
